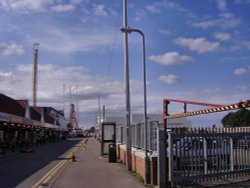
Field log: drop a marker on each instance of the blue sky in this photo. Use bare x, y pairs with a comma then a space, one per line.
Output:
195, 50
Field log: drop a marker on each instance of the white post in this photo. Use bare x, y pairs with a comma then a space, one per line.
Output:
205, 154
231, 155
170, 156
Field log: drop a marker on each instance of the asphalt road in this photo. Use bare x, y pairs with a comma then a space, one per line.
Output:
23, 170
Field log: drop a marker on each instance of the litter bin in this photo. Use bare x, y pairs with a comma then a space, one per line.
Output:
112, 153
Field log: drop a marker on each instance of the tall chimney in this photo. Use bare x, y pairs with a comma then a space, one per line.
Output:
34, 78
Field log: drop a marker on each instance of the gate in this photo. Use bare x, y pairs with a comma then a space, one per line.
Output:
198, 155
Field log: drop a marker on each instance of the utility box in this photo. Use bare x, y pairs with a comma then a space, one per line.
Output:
112, 153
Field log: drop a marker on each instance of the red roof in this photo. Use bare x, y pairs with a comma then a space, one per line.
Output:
35, 114
11, 106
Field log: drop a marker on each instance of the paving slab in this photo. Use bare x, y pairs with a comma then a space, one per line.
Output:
94, 171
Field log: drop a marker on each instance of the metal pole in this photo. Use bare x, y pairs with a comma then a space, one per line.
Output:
129, 30
145, 112
103, 114
145, 107
162, 164
127, 91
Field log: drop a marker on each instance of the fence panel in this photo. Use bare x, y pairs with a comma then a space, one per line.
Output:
137, 135
200, 155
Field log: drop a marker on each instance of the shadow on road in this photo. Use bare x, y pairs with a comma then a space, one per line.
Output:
17, 167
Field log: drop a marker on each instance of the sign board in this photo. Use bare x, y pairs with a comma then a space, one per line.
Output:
4, 117
108, 136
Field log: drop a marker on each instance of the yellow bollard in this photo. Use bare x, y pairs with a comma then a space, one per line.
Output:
86, 141
84, 146
73, 157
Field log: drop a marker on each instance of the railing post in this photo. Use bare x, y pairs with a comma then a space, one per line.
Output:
205, 154
170, 156
231, 154
162, 165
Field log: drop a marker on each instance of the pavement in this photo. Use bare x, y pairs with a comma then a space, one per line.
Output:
237, 182
93, 171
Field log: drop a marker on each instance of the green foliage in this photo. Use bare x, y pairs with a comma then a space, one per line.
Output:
139, 177
91, 130
241, 118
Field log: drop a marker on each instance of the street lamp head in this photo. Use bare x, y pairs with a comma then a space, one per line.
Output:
126, 30
130, 30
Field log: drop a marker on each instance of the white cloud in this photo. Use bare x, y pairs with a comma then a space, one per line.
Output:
242, 70
71, 40
238, 45
139, 15
24, 5
228, 21
100, 10
171, 58
169, 79
153, 9
63, 7
224, 22
12, 49
5, 76
51, 79
222, 5
164, 31
157, 6
211, 90
222, 36
205, 24
246, 44
243, 87
200, 45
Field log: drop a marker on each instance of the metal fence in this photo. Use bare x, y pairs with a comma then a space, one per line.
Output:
120, 134
137, 135
196, 156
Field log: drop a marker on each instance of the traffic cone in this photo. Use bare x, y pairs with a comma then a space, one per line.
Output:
73, 157
84, 146
86, 141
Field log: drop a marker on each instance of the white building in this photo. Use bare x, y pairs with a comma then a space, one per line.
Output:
138, 118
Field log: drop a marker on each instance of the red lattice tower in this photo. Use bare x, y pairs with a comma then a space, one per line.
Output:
73, 123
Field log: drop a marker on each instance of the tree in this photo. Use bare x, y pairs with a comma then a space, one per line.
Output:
92, 130
241, 118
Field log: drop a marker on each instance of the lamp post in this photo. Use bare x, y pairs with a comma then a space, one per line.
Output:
130, 30
127, 92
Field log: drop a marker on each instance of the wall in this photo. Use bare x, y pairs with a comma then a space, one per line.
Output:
138, 162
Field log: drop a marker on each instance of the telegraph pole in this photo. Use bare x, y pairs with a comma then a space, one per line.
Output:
127, 91
103, 113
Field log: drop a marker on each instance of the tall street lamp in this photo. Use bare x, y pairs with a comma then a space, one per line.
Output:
130, 30
127, 92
